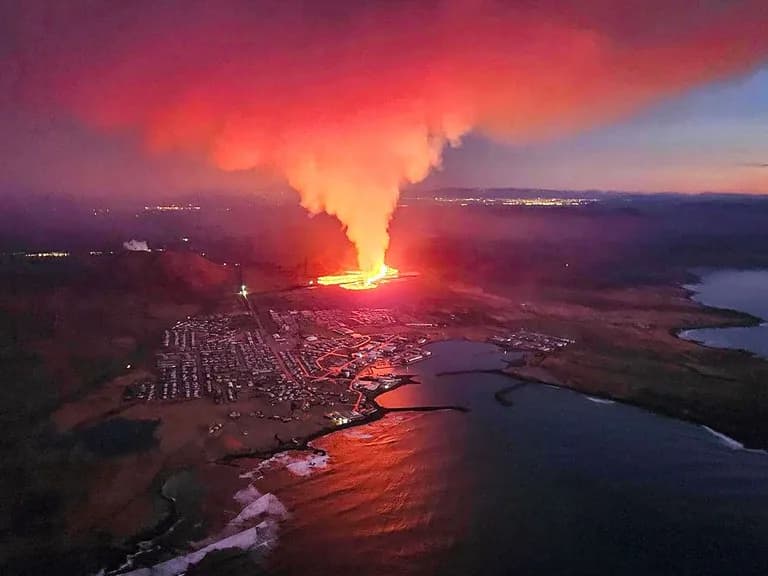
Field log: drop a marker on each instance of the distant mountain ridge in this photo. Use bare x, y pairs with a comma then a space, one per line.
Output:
512, 192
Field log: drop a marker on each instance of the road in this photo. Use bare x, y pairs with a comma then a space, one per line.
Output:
335, 352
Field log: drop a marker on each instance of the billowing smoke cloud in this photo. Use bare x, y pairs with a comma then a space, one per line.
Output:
350, 100
136, 246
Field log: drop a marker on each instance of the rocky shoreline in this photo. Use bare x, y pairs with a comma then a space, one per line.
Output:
135, 543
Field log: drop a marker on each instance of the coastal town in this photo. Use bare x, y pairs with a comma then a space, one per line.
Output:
526, 341
248, 362
299, 359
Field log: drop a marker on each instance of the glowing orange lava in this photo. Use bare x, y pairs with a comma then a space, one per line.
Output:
359, 280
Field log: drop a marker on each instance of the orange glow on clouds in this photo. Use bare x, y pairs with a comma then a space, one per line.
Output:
349, 101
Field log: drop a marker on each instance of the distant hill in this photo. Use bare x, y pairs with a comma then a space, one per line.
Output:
170, 272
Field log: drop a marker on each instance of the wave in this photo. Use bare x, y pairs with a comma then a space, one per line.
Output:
302, 465
298, 465
247, 495
265, 509
395, 418
267, 505
600, 400
261, 536
358, 434
732, 442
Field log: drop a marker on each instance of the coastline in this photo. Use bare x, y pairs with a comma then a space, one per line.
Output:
303, 444
737, 430
742, 437
741, 319
602, 398
668, 406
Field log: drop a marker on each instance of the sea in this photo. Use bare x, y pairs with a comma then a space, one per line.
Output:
538, 480
549, 482
742, 290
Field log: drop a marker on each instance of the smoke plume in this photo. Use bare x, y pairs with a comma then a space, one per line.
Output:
348, 101
136, 246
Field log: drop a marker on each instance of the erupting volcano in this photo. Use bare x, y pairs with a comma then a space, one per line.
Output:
348, 102
359, 280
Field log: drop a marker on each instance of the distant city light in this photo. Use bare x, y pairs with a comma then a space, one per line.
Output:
171, 207
537, 201
46, 254
243, 291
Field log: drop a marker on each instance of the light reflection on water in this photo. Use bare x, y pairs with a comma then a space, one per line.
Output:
378, 495
553, 484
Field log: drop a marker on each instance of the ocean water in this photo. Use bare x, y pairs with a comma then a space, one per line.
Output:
742, 290
555, 483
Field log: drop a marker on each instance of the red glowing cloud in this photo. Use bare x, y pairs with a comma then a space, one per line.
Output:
347, 101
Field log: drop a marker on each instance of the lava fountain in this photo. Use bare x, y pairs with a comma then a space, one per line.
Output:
359, 280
